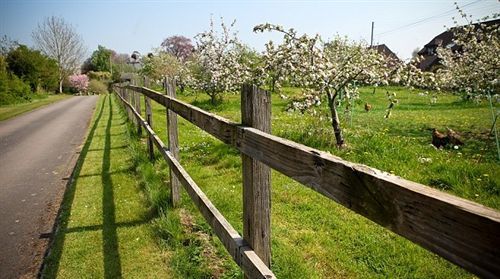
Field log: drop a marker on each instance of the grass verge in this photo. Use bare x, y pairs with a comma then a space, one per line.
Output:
313, 237
9, 111
105, 224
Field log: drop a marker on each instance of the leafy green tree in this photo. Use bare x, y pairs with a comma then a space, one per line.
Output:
33, 67
104, 60
161, 65
101, 59
12, 89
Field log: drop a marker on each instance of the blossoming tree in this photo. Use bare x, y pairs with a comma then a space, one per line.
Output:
216, 66
333, 69
473, 65
471, 62
79, 82
160, 65
179, 46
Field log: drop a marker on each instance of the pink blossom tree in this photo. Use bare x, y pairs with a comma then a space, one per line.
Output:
79, 82
179, 46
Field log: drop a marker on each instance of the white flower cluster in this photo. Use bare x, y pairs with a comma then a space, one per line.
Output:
473, 67
335, 68
217, 65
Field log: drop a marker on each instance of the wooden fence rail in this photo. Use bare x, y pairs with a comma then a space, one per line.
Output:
461, 231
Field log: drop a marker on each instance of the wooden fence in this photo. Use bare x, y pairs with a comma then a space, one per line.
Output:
461, 231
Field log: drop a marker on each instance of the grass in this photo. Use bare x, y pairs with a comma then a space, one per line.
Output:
313, 237
105, 228
9, 111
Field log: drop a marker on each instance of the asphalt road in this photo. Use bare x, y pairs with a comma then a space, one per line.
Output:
38, 151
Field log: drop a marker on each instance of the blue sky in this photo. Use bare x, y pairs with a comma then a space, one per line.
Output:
126, 26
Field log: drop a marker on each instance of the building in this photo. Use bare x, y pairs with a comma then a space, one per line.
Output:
430, 60
385, 50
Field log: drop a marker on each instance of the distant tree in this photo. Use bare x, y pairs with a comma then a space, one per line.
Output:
101, 59
102, 76
121, 65
58, 40
179, 46
160, 65
33, 67
97, 87
6, 45
79, 82
87, 66
104, 60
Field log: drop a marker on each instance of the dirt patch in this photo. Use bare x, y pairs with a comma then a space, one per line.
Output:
209, 252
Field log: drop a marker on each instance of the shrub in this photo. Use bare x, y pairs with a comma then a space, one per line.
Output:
99, 75
97, 87
12, 89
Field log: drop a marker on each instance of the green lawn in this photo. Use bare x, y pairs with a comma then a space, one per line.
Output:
9, 111
312, 236
105, 229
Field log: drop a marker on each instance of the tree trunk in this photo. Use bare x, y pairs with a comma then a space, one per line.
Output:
60, 85
335, 121
213, 98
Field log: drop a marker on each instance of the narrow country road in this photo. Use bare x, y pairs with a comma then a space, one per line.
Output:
37, 153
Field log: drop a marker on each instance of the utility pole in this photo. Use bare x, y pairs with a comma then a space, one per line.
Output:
371, 40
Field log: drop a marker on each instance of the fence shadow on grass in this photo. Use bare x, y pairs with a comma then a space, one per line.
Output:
50, 265
111, 254
112, 262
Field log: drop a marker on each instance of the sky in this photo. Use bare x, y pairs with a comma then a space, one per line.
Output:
127, 26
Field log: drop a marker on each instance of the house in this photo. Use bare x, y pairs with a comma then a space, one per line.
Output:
430, 60
385, 50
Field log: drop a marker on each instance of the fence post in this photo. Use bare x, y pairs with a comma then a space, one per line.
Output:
138, 109
256, 113
127, 94
149, 119
122, 94
173, 141
133, 103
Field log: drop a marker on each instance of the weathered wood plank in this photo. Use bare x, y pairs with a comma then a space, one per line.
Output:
464, 232
173, 142
256, 112
461, 231
239, 250
219, 127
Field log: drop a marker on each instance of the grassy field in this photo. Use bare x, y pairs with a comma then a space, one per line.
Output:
9, 111
105, 229
312, 237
